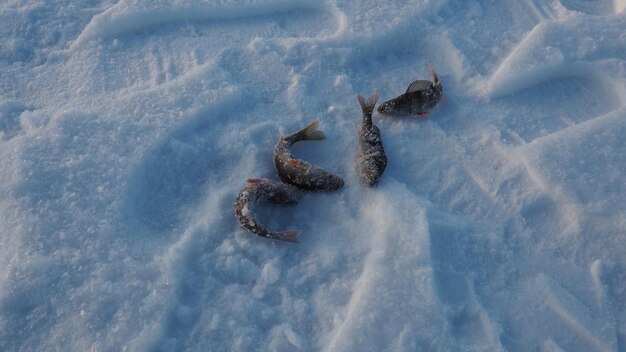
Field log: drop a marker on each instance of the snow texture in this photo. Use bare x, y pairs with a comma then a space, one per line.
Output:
127, 129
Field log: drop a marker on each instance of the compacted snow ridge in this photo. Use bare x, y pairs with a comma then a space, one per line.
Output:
127, 128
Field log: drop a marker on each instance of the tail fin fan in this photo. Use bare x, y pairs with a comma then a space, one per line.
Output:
367, 106
309, 133
287, 236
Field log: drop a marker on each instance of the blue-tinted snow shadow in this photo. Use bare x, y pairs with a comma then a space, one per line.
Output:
467, 263
10, 124
553, 104
29, 306
173, 175
287, 16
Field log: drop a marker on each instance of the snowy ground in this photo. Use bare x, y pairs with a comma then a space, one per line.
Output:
127, 128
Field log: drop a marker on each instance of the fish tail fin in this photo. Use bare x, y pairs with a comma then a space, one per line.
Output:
287, 236
367, 106
309, 133
436, 81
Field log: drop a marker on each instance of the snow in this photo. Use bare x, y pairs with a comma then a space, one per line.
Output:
127, 129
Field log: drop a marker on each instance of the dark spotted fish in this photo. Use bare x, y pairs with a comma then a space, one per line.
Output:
371, 158
260, 189
299, 173
420, 96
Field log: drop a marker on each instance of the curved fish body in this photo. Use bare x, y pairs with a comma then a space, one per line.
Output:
299, 173
371, 159
420, 96
260, 189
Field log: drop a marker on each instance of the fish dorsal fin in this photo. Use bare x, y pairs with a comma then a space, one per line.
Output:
419, 85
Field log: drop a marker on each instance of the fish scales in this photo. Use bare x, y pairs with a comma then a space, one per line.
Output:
300, 173
257, 190
419, 98
371, 158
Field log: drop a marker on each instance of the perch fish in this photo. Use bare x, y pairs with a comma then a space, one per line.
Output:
420, 96
371, 158
299, 173
260, 189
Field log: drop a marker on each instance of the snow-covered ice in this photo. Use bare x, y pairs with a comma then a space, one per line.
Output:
127, 129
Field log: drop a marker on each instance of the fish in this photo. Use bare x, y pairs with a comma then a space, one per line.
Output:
420, 96
371, 158
299, 173
262, 189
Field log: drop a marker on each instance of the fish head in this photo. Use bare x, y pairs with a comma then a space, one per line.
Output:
334, 183
387, 107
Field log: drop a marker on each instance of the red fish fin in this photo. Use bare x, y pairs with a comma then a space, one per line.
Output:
258, 181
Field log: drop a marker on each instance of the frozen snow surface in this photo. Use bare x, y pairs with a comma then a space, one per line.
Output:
127, 129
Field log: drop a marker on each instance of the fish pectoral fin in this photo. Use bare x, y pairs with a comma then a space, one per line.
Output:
418, 85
